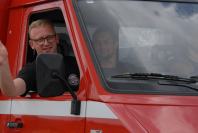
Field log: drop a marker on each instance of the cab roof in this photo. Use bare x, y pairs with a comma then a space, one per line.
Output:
17, 3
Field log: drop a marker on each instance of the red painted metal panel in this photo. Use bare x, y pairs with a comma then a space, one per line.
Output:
3, 19
92, 79
3, 121
157, 118
105, 125
13, 38
18, 3
3, 31
49, 124
78, 45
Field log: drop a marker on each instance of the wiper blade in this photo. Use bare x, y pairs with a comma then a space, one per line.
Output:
194, 78
147, 76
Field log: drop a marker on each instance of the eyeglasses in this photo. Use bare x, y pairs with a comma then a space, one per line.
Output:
41, 41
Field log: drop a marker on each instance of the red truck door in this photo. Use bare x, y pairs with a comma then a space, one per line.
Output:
5, 106
33, 113
5, 102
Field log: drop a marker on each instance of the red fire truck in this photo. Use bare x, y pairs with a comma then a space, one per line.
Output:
151, 88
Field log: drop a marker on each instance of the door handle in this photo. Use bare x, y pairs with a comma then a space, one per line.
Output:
14, 124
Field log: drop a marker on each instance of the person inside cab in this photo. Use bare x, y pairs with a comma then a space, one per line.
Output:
106, 46
43, 39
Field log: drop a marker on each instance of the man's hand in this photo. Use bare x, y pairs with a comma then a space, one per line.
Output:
3, 54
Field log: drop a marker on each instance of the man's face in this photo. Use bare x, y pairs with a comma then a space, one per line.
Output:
104, 45
44, 39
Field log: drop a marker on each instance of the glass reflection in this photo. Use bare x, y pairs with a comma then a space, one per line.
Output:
141, 36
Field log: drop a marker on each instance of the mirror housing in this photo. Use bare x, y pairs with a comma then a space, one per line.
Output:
50, 70
46, 66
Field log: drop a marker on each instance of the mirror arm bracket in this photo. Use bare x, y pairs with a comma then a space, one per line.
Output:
75, 104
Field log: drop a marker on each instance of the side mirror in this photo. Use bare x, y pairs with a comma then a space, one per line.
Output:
46, 66
51, 81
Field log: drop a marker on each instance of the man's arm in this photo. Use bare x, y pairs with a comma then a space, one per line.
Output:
9, 87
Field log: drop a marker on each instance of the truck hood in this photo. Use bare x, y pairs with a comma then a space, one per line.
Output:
157, 118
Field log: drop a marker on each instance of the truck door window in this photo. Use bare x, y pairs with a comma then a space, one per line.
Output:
64, 47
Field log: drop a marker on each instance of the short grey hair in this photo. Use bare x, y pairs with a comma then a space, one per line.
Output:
40, 22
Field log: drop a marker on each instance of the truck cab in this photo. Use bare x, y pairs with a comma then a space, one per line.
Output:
137, 62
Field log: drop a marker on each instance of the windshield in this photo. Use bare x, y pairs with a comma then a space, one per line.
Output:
142, 36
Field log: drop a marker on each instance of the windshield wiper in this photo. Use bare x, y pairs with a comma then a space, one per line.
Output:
158, 76
194, 78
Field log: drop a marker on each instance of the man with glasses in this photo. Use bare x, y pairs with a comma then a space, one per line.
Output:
43, 39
